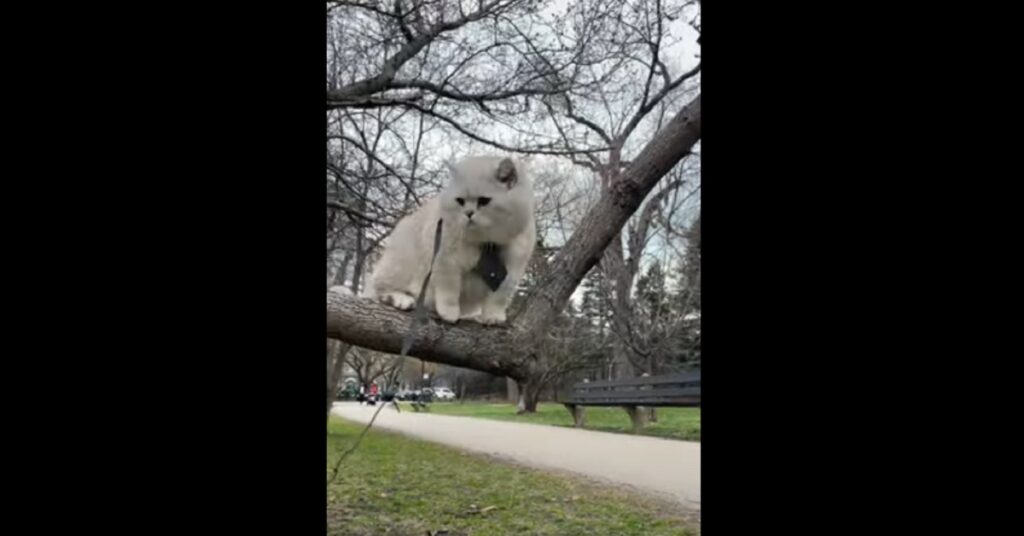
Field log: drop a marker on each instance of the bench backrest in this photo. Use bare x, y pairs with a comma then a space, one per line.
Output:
679, 389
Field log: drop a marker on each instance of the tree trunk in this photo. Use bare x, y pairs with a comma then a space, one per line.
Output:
339, 276
528, 395
335, 365
652, 414
357, 268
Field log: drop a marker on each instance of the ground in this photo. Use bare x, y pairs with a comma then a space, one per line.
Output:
667, 468
400, 486
678, 423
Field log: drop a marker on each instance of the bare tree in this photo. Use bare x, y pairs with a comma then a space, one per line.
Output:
512, 350
372, 367
403, 75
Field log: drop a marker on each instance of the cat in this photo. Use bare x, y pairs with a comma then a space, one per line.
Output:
488, 199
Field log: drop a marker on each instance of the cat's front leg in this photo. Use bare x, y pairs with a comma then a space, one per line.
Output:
447, 287
497, 303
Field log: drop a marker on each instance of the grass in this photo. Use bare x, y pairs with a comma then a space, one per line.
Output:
676, 423
393, 485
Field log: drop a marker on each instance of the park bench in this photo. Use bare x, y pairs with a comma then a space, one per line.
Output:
633, 394
422, 401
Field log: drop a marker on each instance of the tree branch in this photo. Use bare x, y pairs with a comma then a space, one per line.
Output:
355, 213
458, 95
525, 150
381, 81
370, 324
638, 236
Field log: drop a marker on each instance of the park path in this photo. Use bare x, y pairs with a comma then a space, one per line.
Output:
666, 467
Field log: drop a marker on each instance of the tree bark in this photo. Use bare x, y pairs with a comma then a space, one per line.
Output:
370, 324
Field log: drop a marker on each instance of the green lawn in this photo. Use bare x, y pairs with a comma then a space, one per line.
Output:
399, 486
677, 423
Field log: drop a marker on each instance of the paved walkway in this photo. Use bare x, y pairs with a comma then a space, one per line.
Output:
665, 467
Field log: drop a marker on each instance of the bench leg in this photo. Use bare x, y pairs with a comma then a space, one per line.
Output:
579, 418
637, 415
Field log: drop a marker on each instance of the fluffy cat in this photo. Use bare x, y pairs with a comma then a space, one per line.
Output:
488, 200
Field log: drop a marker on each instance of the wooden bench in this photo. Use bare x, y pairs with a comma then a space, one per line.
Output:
632, 394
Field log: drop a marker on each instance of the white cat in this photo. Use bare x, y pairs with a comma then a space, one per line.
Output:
489, 199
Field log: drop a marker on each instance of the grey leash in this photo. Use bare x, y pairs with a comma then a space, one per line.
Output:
410, 336
419, 315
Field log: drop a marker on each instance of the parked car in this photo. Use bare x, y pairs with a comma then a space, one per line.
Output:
367, 398
348, 392
444, 393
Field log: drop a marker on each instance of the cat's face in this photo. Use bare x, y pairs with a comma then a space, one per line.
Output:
485, 194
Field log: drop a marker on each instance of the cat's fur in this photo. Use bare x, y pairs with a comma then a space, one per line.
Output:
455, 291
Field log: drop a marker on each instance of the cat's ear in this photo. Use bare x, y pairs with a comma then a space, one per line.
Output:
451, 167
507, 173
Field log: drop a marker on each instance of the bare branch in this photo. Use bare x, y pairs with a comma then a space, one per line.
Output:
645, 109
357, 214
471, 97
492, 143
638, 236
381, 81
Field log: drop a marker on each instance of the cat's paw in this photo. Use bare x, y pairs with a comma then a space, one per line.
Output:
398, 300
448, 312
491, 318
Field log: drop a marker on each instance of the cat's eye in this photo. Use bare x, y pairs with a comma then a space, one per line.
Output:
482, 202
460, 200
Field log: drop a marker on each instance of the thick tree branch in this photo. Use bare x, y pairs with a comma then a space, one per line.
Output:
370, 324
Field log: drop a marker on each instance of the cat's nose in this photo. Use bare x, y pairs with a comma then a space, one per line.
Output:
469, 213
